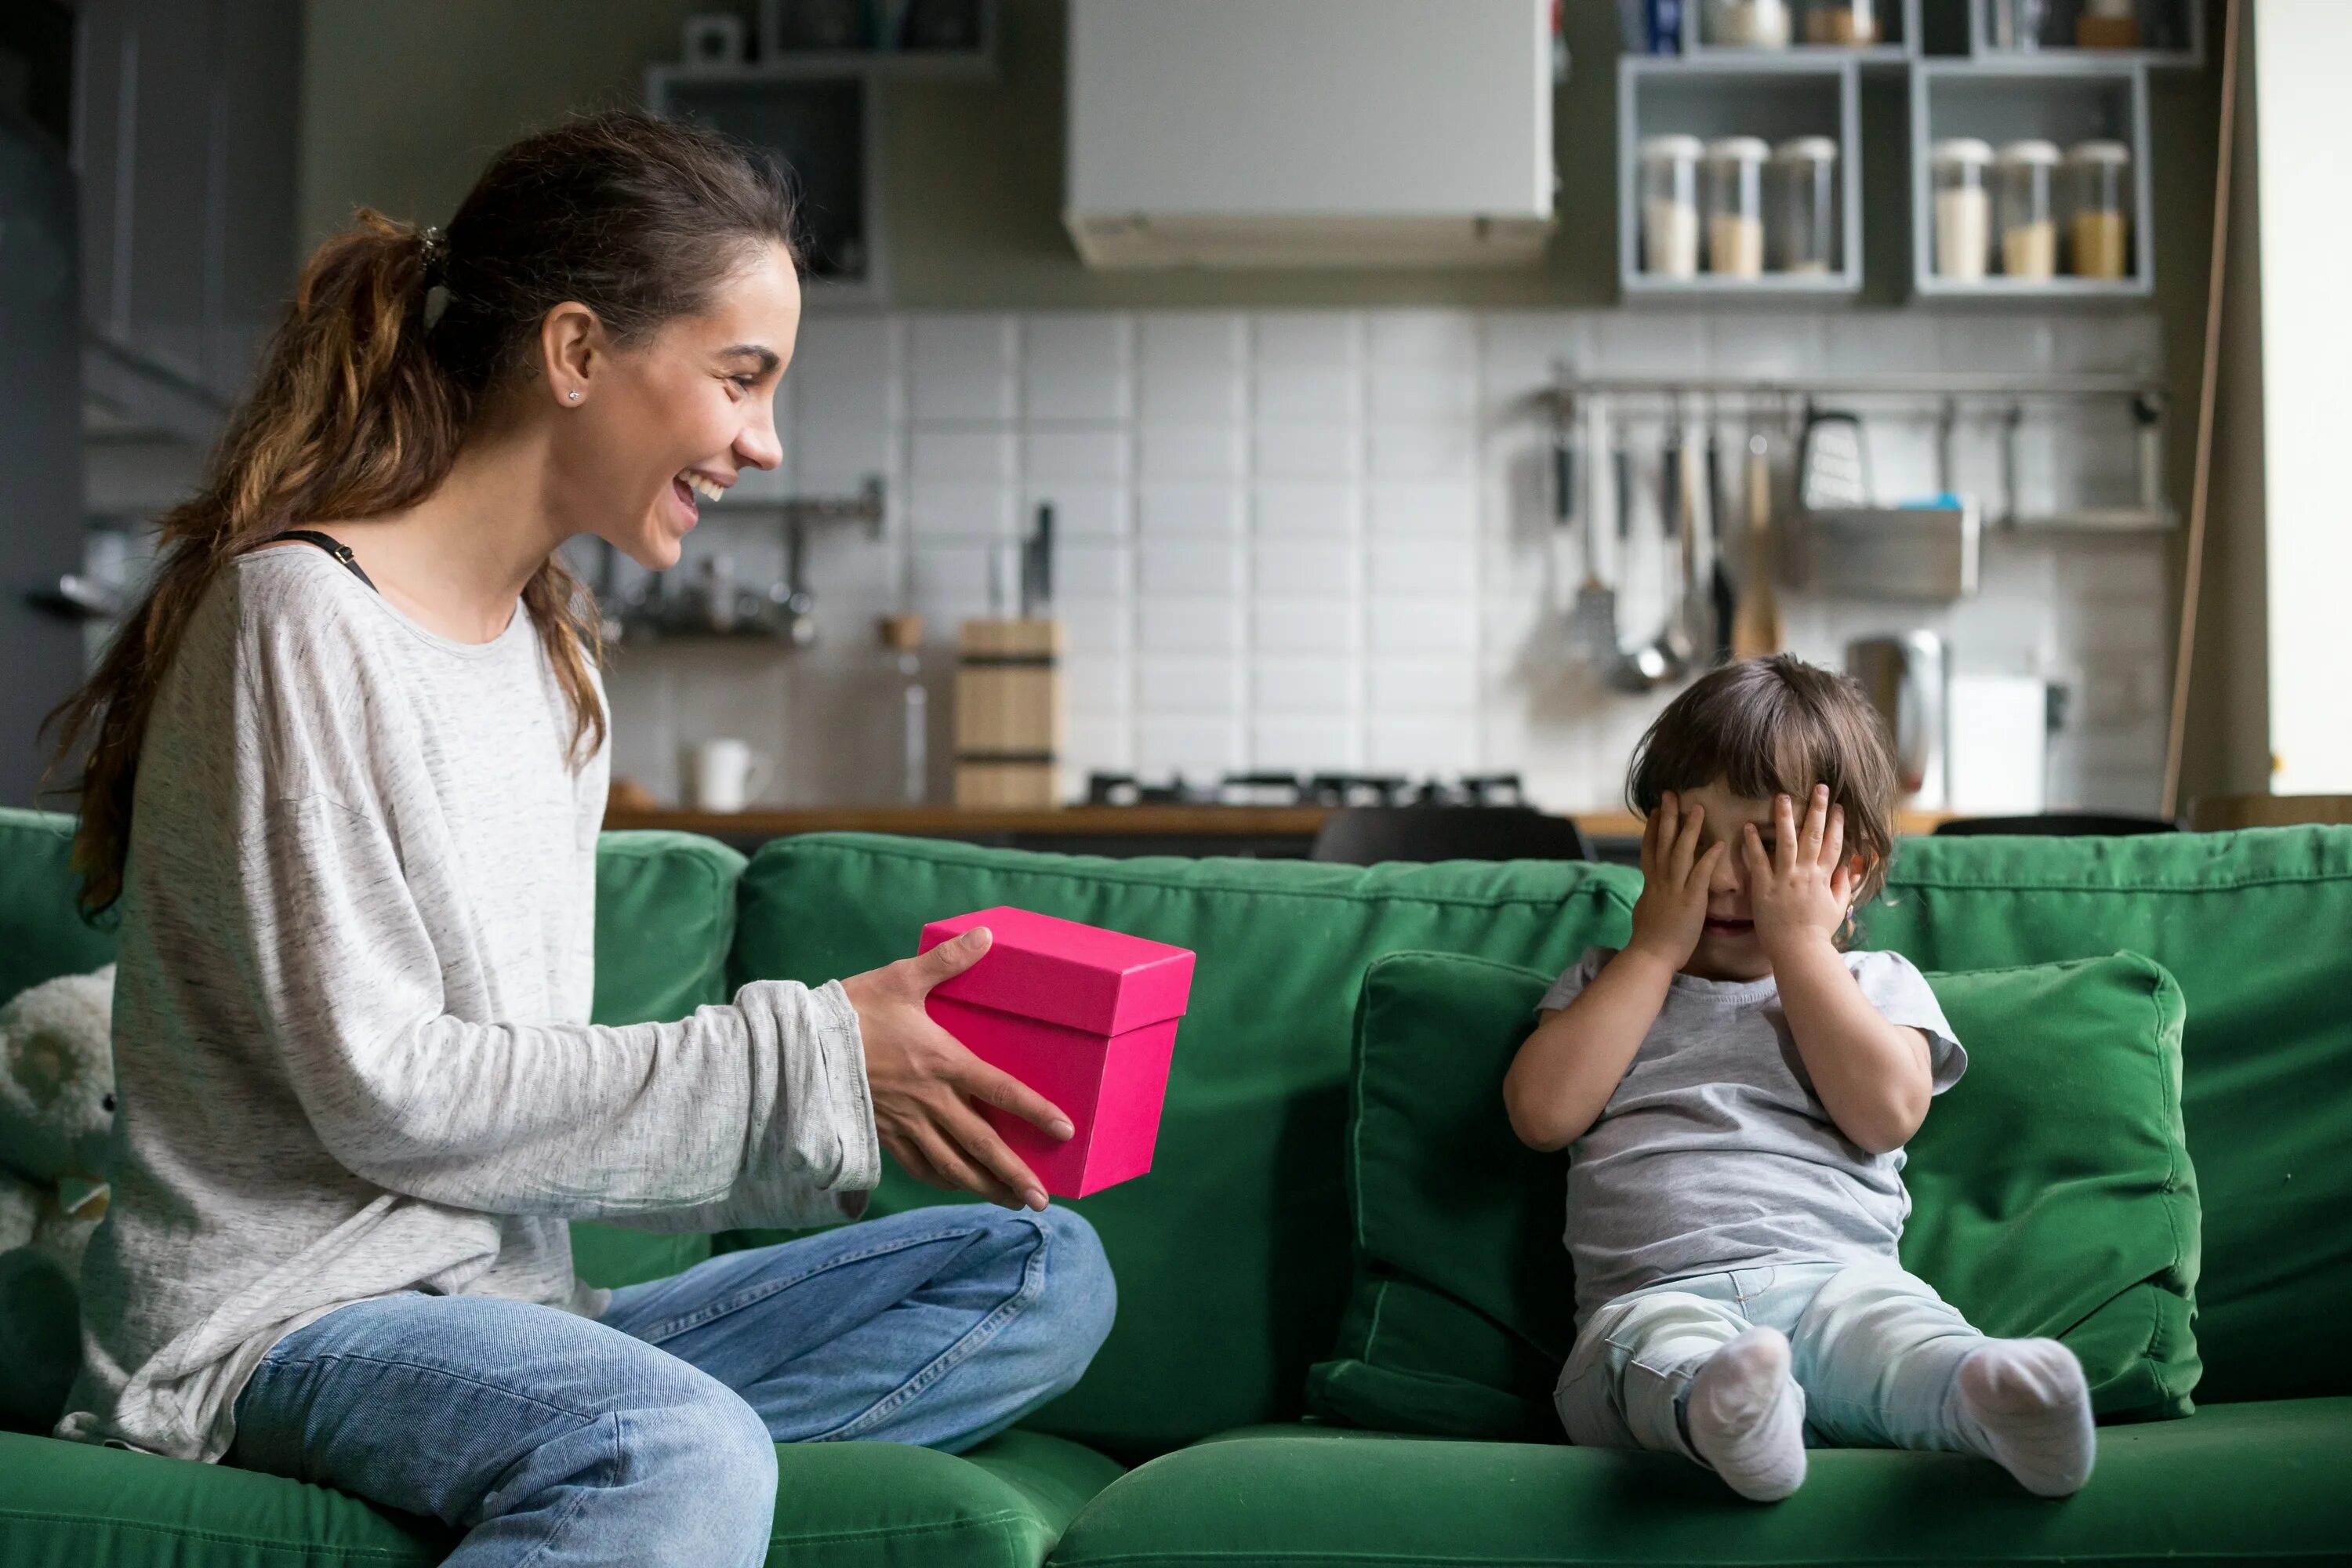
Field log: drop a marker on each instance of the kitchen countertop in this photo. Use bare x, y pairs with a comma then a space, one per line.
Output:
1108, 821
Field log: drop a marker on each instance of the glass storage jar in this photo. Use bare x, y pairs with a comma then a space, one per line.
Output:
1748, 24
1963, 208
1735, 206
2098, 178
1850, 23
1802, 227
2022, 210
1669, 226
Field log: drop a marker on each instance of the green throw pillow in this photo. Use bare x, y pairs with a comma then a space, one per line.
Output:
2052, 1194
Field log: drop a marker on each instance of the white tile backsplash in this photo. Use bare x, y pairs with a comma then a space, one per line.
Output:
1323, 538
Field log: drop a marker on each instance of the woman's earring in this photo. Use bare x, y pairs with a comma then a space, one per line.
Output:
574, 394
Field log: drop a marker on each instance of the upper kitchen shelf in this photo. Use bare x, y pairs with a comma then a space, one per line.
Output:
2030, 180
1736, 176
2160, 32
1758, 32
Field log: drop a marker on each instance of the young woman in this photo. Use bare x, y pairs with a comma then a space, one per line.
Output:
344, 771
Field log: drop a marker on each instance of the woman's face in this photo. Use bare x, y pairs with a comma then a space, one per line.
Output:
663, 426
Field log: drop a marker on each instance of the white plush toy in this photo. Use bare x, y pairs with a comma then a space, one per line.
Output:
57, 1109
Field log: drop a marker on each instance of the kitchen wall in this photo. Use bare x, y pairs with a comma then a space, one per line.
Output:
401, 105
1301, 540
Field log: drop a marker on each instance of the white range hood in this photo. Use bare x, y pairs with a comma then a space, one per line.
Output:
1309, 132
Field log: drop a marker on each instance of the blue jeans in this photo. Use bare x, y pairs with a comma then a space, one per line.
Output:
649, 1438
1875, 1350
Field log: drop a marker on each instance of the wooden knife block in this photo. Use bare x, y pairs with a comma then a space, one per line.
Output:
1008, 714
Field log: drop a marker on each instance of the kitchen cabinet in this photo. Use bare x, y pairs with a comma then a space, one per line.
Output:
1720, 93
2063, 102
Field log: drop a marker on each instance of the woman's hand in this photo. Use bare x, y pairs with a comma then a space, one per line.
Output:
1803, 886
1671, 913
924, 1080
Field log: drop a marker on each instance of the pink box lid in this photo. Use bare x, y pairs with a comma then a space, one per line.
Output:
1080, 976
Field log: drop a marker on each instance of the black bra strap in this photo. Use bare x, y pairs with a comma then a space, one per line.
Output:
332, 545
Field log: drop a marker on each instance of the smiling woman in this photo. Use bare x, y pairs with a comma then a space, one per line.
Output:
359, 717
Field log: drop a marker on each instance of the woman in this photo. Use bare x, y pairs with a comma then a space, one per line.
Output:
345, 771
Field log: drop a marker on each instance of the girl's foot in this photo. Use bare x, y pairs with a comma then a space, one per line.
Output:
1747, 1416
2028, 1402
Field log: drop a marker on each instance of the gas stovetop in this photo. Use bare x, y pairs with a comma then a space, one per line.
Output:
1307, 789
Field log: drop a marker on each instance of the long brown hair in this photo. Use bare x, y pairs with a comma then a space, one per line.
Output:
363, 399
1777, 726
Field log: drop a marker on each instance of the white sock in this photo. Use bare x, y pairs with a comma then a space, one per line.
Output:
2028, 1402
1747, 1416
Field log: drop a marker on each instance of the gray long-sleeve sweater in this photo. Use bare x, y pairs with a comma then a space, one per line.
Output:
350, 1031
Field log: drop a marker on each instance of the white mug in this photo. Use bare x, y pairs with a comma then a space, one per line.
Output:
725, 775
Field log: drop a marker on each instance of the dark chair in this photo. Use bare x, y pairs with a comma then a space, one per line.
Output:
2056, 824
1367, 835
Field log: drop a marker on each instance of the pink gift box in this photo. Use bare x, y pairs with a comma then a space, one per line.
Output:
1085, 1016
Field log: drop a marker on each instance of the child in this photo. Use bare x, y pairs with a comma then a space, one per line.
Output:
1736, 1090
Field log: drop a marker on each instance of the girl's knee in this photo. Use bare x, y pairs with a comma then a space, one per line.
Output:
708, 1466
1079, 1286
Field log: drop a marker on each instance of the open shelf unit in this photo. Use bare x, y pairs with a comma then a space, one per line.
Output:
826, 131
1899, 24
2175, 30
2061, 100
1770, 94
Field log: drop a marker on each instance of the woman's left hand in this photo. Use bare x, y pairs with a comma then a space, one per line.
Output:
1804, 884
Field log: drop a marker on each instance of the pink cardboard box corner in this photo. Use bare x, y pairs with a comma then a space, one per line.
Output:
1085, 1016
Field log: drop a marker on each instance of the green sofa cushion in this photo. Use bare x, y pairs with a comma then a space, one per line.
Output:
1232, 1255
2052, 1193
887, 1505
2253, 925
2269, 1483
41, 934
664, 922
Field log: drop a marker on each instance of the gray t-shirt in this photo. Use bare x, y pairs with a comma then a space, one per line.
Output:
1714, 1152
351, 1026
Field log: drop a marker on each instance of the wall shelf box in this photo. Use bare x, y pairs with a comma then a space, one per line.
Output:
826, 129
2061, 100
2179, 24
785, 51
1899, 44
1772, 95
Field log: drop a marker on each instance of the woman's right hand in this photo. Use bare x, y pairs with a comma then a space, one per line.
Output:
1671, 913
924, 1080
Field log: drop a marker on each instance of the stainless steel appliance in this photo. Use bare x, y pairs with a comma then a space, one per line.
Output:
1908, 679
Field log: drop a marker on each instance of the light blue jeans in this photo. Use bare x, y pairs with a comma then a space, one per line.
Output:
649, 1438
1875, 1350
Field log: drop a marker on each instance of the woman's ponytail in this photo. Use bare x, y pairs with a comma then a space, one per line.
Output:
349, 418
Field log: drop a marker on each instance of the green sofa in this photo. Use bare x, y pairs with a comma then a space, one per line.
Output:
1189, 1442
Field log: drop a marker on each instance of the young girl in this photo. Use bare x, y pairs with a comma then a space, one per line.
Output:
1736, 1090
345, 768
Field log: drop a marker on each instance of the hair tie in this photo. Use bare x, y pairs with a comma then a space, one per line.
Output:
436, 256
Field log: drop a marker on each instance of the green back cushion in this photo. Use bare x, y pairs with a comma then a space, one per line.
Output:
41, 934
665, 920
2253, 927
2052, 1193
1232, 1254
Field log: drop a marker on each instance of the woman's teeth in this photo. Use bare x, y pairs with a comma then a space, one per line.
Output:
708, 488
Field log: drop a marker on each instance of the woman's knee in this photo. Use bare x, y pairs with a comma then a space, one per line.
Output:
1079, 1300
700, 1468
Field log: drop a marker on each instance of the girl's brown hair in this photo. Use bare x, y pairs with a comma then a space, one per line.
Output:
361, 403
1777, 726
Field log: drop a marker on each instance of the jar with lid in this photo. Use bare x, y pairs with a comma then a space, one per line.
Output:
2023, 211
1801, 188
1735, 206
2015, 25
2098, 177
1670, 205
1851, 23
1748, 24
1963, 213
